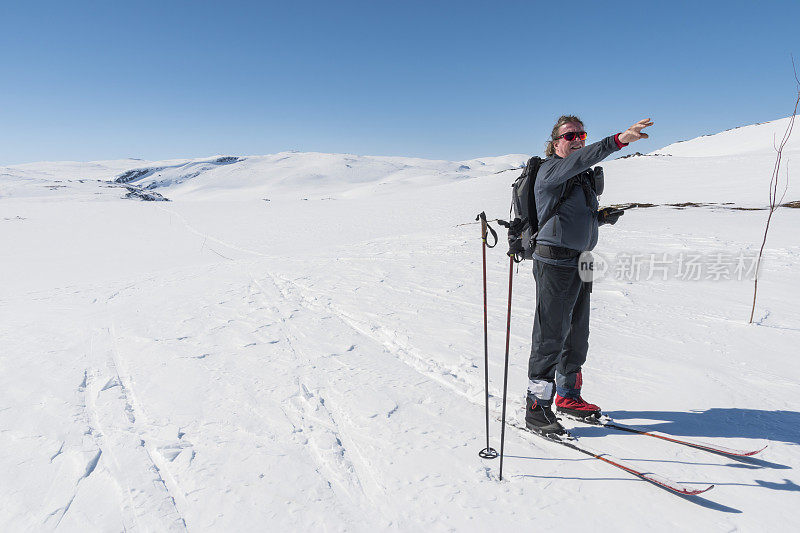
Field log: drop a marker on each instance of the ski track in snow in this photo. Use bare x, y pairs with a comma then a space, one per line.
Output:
314, 416
448, 376
119, 424
317, 428
315, 423
113, 442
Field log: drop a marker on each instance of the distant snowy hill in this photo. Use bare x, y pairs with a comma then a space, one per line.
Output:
746, 140
733, 166
253, 177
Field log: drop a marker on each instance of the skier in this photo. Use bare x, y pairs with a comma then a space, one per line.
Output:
561, 321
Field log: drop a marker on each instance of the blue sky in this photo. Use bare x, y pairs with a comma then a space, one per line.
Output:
437, 79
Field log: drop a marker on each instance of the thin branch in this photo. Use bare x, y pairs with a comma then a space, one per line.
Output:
786, 187
774, 203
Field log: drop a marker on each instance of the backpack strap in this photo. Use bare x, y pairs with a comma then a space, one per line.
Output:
534, 164
529, 172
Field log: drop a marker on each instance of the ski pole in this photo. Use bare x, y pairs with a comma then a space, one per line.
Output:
505, 367
488, 452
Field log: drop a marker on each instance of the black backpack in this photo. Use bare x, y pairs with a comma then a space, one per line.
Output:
525, 225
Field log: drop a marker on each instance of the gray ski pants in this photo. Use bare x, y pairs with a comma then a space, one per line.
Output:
560, 328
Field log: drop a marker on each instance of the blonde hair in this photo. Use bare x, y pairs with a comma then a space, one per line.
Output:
549, 150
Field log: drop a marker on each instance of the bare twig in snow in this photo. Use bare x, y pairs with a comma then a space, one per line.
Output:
774, 202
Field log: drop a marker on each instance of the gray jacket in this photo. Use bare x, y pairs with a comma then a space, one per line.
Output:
575, 225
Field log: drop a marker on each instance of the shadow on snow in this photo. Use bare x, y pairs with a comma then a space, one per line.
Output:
779, 426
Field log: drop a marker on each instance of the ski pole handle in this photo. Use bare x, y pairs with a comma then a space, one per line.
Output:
484, 227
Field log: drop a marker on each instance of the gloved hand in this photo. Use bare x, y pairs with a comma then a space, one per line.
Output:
515, 229
517, 226
609, 215
515, 246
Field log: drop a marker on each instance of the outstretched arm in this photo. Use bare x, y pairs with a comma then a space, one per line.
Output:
557, 171
560, 170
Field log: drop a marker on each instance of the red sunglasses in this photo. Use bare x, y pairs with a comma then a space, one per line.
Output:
571, 135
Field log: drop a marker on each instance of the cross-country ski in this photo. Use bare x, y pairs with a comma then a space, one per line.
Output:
662, 481
610, 423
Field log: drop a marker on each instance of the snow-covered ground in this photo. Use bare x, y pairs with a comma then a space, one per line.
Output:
294, 342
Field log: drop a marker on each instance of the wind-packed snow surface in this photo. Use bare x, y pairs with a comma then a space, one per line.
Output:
294, 342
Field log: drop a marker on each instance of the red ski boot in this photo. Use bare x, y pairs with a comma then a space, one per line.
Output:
576, 408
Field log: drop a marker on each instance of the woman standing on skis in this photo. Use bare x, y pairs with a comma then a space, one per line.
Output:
561, 322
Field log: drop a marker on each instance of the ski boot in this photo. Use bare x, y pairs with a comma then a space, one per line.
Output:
540, 419
577, 408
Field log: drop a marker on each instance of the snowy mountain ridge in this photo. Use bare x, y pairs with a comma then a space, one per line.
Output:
253, 177
758, 138
730, 178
